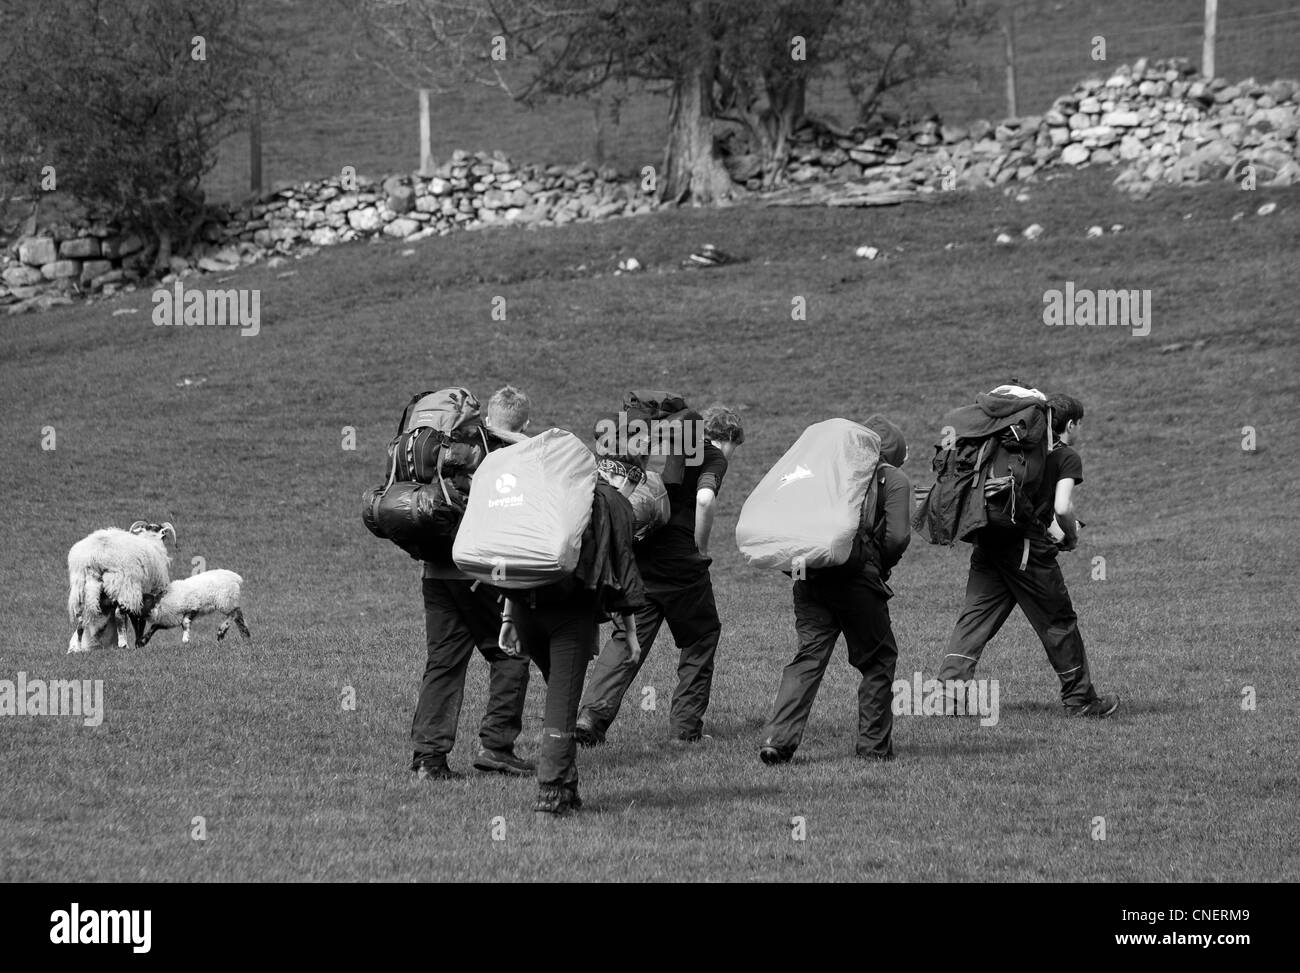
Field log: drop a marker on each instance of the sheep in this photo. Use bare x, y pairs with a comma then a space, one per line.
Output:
208, 591
115, 576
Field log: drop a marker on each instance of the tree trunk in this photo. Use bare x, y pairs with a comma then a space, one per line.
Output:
162, 260
776, 128
692, 169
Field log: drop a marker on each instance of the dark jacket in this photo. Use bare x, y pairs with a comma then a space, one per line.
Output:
607, 563
892, 521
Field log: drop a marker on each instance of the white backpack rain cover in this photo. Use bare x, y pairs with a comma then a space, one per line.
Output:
809, 505
525, 517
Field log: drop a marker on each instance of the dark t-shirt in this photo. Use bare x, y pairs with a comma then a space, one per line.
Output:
1063, 463
670, 553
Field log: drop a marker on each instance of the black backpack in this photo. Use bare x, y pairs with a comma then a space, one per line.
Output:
990, 471
439, 444
668, 458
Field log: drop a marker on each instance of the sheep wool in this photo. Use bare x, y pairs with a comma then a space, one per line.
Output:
217, 590
111, 571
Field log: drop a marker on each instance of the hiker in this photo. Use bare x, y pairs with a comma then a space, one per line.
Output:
674, 565
1010, 567
852, 599
558, 626
459, 616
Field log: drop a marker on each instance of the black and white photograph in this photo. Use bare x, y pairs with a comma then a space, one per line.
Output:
651, 441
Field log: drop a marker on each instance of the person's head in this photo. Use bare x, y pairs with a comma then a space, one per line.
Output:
893, 447
1067, 417
508, 410
723, 428
623, 473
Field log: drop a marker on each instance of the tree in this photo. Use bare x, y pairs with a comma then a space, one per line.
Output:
766, 59
897, 43
128, 99
535, 50
747, 62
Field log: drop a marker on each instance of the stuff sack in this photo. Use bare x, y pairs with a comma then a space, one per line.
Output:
808, 509
417, 517
650, 507
523, 524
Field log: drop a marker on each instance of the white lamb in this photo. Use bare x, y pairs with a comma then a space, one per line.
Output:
115, 576
199, 594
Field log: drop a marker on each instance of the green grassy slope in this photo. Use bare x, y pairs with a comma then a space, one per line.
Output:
1199, 540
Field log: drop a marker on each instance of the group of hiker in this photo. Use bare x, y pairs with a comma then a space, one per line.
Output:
560, 534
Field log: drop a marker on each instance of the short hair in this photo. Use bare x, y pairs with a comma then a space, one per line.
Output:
508, 409
1064, 409
722, 425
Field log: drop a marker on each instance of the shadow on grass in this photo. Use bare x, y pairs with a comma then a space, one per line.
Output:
965, 747
1128, 706
677, 797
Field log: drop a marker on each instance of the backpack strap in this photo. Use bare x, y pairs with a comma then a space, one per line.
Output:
401, 423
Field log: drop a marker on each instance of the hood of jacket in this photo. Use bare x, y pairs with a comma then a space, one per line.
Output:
893, 447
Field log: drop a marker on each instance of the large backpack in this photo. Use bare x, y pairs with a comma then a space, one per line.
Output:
523, 524
668, 450
989, 467
808, 511
440, 442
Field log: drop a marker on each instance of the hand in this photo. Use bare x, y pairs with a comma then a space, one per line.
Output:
508, 640
629, 633
1068, 544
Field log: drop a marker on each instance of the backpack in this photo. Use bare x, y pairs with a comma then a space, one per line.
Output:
989, 468
440, 441
868, 539
808, 511
440, 434
523, 525
668, 449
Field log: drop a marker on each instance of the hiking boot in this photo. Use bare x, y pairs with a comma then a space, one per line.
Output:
771, 756
437, 770
557, 802
503, 762
585, 732
1099, 708
687, 739
880, 758
571, 795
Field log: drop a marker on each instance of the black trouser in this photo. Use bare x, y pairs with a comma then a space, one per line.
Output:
692, 618
456, 621
565, 634
857, 606
997, 583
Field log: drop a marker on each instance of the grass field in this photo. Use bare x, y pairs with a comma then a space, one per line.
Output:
1199, 538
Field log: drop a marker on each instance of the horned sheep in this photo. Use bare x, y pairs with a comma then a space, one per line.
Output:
115, 576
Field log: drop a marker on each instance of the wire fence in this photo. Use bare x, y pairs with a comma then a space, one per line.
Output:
360, 118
